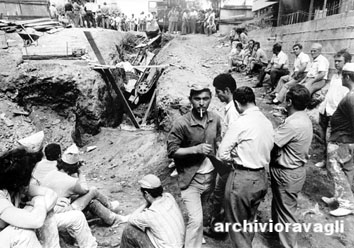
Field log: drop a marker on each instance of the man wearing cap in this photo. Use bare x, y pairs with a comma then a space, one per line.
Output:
340, 150
193, 137
289, 156
158, 223
246, 149
68, 181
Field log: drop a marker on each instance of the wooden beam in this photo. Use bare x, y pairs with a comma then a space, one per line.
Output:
310, 10
110, 77
149, 107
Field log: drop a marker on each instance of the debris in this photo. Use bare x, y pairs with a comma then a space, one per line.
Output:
90, 148
315, 210
20, 112
6, 120
206, 66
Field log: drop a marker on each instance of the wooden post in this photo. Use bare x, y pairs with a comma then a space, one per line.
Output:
310, 10
280, 13
110, 77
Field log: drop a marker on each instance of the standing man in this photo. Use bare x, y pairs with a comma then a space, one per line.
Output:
192, 138
246, 148
318, 71
334, 95
288, 173
156, 224
278, 67
224, 85
301, 63
340, 163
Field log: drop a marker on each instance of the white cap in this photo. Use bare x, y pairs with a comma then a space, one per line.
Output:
348, 67
71, 155
34, 142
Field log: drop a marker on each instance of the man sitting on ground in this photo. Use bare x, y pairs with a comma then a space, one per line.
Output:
236, 57
259, 62
68, 182
301, 63
318, 71
277, 67
158, 223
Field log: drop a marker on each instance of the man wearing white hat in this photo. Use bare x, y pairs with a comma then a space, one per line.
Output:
341, 147
194, 136
68, 181
158, 223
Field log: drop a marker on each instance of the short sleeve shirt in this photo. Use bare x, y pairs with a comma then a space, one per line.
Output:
261, 56
60, 182
301, 60
318, 65
294, 137
163, 222
280, 59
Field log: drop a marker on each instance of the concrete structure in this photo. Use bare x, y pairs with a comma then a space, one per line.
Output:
23, 9
333, 32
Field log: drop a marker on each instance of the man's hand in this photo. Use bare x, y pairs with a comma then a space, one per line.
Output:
204, 148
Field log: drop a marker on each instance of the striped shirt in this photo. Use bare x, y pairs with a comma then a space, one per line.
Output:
163, 222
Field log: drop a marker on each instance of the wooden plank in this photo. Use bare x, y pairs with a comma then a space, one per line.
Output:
48, 57
149, 107
110, 77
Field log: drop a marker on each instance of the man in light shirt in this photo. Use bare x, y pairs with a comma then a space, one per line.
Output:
278, 67
334, 95
317, 74
194, 136
289, 156
301, 64
156, 224
246, 149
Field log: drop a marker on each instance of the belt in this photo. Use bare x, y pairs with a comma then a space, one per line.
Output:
241, 167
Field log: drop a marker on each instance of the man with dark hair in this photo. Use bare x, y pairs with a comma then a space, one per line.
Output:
158, 223
246, 149
289, 156
335, 94
192, 138
340, 161
52, 153
278, 67
259, 61
301, 64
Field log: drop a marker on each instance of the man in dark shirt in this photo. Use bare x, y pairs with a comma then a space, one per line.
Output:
192, 138
341, 147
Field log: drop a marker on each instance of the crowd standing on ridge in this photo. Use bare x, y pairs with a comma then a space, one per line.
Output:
224, 161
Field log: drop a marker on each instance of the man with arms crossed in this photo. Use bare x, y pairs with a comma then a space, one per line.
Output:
193, 136
288, 173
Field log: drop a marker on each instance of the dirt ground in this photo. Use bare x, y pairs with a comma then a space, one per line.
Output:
123, 154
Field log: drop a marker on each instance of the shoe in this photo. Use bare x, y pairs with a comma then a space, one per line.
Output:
328, 200
171, 165
320, 164
174, 173
341, 212
114, 206
203, 241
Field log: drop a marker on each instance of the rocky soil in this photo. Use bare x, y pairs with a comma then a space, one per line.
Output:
61, 95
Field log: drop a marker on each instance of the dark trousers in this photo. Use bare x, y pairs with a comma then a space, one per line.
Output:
276, 74
286, 185
245, 189
90, 20
133, 237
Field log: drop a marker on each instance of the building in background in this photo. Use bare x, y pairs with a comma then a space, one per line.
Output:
24, 9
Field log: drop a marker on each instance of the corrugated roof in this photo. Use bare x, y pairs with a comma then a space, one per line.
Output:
261, 4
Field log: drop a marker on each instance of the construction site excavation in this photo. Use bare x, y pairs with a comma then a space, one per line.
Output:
116, 130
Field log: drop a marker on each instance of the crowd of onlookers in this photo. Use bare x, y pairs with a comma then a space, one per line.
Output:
92, 15
191, 21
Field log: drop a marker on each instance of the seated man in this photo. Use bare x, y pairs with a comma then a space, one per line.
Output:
301, 64
318, 71
71, 186
158, 223
236, 56
277, 67
17, 225
259, 61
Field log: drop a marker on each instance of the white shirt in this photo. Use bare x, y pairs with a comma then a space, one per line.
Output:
335, 94
42, 168
319, 64
249, 140
230, 114
301, 60
280, 59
